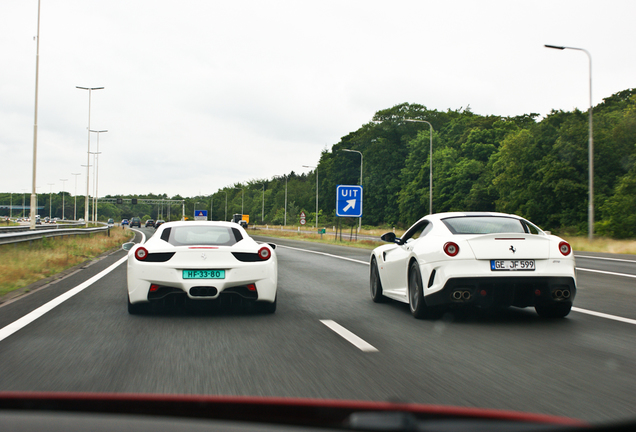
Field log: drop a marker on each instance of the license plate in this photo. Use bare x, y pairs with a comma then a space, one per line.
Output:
204, 274
512, 265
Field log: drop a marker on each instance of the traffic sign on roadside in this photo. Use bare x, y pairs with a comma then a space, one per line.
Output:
349, 201
200, 215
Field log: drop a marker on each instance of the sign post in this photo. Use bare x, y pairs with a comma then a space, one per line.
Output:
303, 218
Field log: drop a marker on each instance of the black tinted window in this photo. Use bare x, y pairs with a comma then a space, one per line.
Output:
202, 235
483, 225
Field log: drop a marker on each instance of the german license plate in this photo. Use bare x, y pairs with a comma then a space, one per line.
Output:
204, 274
512, 265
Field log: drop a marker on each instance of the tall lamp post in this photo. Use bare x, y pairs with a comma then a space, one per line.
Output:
430, 181
88, 153
63, 187
35, 129
590, 147
97, 153
75, 211
50, 194
307, 166
361, 159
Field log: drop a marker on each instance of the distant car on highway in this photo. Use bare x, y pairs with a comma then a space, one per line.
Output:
198, 261
159, 222
124, 222
474, 259
135, 222
111, 222
150, 223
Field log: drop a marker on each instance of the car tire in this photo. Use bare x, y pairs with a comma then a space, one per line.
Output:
375, 283
555, 310
417, 304
267, 307
137, 308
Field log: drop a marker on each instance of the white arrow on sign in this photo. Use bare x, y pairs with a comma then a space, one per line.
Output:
350, 204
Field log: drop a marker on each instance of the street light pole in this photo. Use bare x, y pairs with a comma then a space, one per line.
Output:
50, 193
88, 152
35, 128
590, 147
307, 166
361, 159
63, 187
95, 198
430, 181
285, 222
75, 210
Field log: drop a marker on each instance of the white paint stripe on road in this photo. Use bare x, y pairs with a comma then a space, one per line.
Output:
18, 324
607, 272
603, 315
7, 331
349, 337
605, 258
325, 254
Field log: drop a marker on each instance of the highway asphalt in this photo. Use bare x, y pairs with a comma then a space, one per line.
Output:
583, 366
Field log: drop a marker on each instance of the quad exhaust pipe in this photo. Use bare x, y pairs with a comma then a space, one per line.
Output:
461, 295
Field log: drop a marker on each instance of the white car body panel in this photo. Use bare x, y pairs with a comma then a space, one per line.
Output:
141, 274
473, 262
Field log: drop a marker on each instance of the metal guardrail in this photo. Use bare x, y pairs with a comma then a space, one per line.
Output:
13, 229
39, 234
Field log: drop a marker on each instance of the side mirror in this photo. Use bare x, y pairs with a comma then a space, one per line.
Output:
388, 237
391, 238
127, 246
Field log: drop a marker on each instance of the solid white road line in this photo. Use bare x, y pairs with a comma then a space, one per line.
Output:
349, 337
606, 258
7, 331
325, 254
603, 315
606, 272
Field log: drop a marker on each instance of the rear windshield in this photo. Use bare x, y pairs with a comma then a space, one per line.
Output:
203, 235
485, 225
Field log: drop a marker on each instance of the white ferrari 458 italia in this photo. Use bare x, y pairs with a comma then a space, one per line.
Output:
196, 261
475, 259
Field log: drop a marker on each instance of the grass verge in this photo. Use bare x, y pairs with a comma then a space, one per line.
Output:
21, 264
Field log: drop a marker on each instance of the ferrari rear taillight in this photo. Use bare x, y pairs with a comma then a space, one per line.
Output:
565, 248
154, 288
264, 253
451, 249
251, 287
141, 253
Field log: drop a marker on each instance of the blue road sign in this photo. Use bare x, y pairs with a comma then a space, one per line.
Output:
200, 215
349, 201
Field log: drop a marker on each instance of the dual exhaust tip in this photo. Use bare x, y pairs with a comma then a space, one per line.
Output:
561, 294
461, 295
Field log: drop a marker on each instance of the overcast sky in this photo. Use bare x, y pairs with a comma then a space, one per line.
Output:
202, 94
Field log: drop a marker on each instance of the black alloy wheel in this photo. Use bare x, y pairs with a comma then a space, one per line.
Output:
376, 284
417, 304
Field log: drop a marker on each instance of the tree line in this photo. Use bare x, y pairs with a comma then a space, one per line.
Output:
531, 166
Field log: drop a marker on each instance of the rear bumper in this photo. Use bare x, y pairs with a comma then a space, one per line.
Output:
519, 291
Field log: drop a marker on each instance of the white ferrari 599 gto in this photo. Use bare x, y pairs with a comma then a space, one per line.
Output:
201, 261
478, 259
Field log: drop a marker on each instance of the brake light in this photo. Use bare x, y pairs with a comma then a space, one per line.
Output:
141, 253
264, 253
451, 249
251, 287
565, 248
